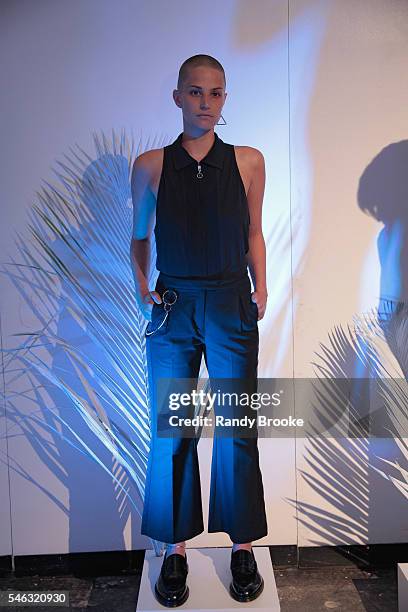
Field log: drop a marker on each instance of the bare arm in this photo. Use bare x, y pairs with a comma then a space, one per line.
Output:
144, 205
257, 251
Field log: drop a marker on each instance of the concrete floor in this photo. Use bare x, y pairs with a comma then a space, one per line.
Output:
343, 588
337, 588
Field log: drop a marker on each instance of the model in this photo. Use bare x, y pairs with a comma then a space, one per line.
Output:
205, 197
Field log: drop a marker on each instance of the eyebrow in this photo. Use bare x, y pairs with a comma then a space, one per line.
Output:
198, 87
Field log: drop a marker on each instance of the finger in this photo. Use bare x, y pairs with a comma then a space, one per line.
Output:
147, 299
156, 297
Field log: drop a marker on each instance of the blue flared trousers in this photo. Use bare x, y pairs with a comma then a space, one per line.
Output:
216, 318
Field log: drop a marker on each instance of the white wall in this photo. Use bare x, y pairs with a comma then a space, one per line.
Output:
319, 88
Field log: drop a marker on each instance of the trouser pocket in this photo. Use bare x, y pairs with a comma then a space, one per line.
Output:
248, 312
159, 321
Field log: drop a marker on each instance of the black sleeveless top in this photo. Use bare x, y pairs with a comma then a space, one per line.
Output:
202, 224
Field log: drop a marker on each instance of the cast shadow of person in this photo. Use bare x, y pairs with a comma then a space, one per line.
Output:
349, 362
95, 352
107, 333
383, 194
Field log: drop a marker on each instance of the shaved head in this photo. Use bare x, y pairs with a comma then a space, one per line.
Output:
193, 62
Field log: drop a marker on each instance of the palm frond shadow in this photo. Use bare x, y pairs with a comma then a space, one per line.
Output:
363, 370
83, 367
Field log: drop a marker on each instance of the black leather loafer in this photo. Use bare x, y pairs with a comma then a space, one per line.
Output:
247, 583
170, 589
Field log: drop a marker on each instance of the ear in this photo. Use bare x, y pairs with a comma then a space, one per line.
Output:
176, 97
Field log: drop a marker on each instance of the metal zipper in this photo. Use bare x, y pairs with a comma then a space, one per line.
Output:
199, 173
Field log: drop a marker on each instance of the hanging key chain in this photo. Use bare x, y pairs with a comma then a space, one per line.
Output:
169, 298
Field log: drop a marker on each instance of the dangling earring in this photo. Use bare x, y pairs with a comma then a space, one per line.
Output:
225, 123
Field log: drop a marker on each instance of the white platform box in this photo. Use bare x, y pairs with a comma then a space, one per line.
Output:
402, 587
208, 579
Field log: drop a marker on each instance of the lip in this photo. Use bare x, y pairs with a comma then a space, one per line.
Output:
204, 115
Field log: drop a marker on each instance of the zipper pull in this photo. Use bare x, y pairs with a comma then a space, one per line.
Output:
199, 173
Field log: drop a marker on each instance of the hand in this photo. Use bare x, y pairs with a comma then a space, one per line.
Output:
260, 297
145, 302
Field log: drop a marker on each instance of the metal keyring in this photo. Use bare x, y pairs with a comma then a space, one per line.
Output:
167, 299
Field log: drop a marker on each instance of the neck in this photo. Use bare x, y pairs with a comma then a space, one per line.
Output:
198, 146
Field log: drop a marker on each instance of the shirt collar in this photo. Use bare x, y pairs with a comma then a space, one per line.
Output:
214, 157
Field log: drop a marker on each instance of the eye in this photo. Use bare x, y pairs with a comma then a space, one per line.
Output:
194, 91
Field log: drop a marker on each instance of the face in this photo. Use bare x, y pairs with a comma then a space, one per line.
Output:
201, 98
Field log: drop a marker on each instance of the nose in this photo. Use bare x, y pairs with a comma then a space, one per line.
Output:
204, 103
